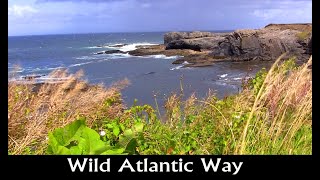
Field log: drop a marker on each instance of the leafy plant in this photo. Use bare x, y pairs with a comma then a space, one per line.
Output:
76, 138
271, 116
258, 80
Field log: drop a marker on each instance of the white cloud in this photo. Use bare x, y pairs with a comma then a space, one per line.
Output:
286, 11
20, 11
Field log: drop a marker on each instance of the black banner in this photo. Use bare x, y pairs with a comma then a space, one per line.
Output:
263, 166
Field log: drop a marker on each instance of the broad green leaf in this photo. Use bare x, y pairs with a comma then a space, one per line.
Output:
103, 149
76, 139
109, 126
131, 146
92, 141
122, 127
75, 150
128, 133
62, 151
55, 148
114, 151
64, 136
125, 138
116, 130
138, 127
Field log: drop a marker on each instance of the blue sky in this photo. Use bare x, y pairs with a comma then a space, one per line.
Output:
30, 17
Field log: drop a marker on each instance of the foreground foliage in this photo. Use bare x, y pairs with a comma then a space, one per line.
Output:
272, 115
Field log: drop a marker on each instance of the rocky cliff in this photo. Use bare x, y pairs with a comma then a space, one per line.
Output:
244, 45
205, 48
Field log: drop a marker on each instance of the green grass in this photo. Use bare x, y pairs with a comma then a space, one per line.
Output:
303, 35
271, 115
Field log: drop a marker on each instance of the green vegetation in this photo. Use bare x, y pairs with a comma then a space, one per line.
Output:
271, 115
303, 35
77, 138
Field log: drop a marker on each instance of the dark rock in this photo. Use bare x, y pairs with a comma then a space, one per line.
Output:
202, 64
113, 51
160, 49
173, 36
205, 48
31, 77
118, 45
196, 44
200, 58
149, 73
179, 61
309, 49
110, 52
245, 45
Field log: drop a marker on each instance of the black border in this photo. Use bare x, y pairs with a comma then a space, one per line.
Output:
254, 166
4, 80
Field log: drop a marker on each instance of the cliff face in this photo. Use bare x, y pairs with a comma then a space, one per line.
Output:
243, 45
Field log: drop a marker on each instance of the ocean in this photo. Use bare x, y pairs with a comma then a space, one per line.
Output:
149, 75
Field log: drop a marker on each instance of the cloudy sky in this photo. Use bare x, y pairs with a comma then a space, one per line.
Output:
30, 17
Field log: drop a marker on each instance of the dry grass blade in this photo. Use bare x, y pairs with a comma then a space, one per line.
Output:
34, 110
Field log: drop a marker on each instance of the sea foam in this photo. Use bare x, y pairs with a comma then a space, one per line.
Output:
80, 64
162, 56
131, 47
176, 68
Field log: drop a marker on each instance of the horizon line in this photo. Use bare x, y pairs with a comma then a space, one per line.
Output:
226, 30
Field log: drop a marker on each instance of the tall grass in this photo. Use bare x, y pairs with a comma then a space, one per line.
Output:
34, 110
282, 111
271, 115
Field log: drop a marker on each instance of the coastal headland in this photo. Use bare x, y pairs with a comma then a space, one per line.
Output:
205, 48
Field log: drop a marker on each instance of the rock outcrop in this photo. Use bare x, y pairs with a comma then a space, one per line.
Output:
185, 35
110, 52
244, 45
161, 49
205, 48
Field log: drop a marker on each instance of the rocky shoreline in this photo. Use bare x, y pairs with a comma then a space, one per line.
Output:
200, 49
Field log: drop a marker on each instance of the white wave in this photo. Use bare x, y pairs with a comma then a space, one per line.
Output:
102, 60
123, 47
176, 68
119, 55
89, 57
51, 78
224, 75
95, 47
37, 69
185, 62
41, 79
60, 67
238, 78
15, 69
113, 46
30, 69
162, 56
117, 44
99, 53
131, 47
80, 64
158, 56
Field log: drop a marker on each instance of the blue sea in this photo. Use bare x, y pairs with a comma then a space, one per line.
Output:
149, 75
